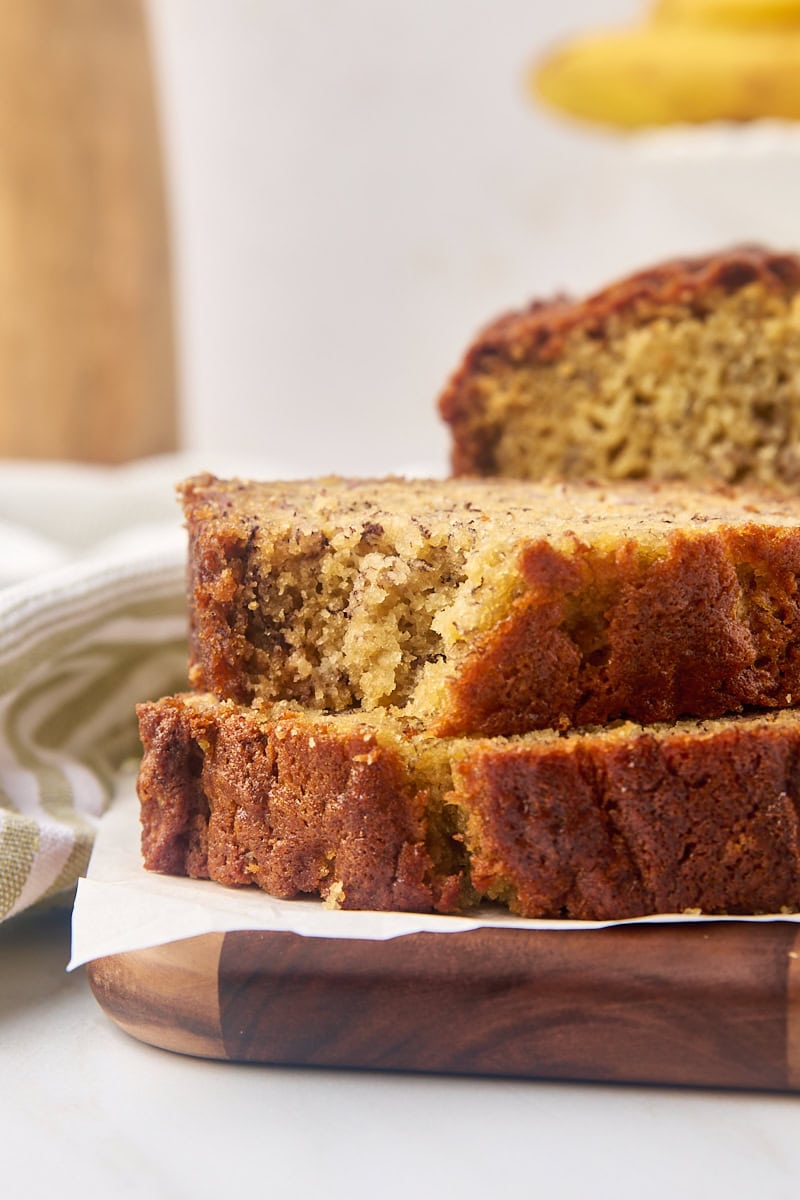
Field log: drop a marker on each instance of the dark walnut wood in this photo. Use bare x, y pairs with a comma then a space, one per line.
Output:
705, 1005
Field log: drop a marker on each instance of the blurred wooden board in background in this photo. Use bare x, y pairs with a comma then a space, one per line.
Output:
86, 328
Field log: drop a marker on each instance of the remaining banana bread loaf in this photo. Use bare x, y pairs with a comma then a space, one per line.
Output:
690, 370
493, 606
598, 825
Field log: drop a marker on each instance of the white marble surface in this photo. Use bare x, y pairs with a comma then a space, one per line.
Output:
87, 1111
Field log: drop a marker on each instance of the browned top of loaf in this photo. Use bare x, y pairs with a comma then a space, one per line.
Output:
509, 510
539, 331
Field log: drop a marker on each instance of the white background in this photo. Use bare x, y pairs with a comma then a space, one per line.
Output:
356, 186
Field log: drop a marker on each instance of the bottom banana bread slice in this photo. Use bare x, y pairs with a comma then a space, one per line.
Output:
602, 824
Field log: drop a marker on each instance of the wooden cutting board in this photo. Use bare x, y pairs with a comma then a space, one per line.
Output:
705, 1004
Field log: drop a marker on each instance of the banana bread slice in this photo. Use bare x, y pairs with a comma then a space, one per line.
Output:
690, 370
494, 606
296, 803
596, 825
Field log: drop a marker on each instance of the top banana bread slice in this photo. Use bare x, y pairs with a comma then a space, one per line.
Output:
493, 606
690, 370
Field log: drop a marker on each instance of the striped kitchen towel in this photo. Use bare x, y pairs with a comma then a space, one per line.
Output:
92, 620
79, 646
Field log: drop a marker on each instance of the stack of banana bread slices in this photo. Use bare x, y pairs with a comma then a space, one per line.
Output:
574, 699
571, 698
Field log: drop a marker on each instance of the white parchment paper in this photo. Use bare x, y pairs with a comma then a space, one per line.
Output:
119, 906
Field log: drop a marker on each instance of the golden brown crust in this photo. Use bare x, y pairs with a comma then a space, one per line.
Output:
218, 542
174, 807
605, 825
539, 332
638, 824
712, 627
283, 804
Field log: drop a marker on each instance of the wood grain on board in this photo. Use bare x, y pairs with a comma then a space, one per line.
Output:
714, 1004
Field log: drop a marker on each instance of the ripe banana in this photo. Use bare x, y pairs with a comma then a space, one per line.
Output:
670, 74
733, 13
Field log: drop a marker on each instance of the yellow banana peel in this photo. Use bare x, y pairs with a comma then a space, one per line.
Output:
664, 75
731, 13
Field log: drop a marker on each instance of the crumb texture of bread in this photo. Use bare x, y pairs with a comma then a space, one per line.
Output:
594, 825
493, 607
690, 370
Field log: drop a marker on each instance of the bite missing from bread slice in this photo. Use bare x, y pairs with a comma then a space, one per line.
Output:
493, 607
